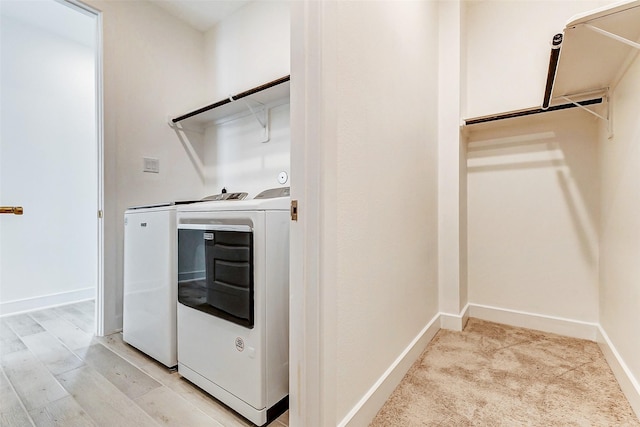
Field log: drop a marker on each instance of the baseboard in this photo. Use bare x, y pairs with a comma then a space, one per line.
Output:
47, 301
367, 408
539, 322
629, 385
455, 322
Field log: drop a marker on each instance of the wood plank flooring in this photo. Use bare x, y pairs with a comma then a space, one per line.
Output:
54, 372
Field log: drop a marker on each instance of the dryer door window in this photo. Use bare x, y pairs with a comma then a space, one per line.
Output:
216, 274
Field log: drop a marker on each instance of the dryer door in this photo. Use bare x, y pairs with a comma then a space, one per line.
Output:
224, 284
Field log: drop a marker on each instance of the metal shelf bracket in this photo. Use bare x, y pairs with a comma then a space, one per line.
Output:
613, 36
180, 127
264, 121
606, 118
182, 131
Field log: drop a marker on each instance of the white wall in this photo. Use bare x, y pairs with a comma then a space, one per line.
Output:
375, 118
508, 46
153, 67
49, 160
533, 215
236, 159
386, 195
247, 49
620, 225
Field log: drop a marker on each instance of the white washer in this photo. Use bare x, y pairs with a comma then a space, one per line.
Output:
150, 285
238, 354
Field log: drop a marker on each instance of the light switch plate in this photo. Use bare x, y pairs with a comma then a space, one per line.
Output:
151, 165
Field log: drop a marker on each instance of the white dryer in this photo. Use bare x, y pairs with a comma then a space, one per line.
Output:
233, 302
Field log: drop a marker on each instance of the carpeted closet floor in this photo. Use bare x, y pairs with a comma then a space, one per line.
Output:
497, 375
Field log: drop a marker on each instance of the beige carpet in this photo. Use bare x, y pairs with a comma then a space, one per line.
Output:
497, 375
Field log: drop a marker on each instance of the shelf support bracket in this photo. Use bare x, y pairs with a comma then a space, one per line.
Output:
613, 36
264, 121
606, 118
188, 146
180, 127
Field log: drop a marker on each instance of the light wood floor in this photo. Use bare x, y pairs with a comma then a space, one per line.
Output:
55, 372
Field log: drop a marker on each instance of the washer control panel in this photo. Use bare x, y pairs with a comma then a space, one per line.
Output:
272, 193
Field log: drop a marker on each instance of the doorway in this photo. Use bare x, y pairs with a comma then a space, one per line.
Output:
50, 155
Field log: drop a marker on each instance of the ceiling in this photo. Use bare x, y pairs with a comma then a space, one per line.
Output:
201, 14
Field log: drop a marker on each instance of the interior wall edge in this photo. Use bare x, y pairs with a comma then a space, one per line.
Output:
451, 160
369, 405
47, 301
551, 324
628, 383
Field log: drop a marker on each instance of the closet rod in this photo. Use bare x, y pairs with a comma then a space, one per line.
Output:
233, 98
551, 72
530, 112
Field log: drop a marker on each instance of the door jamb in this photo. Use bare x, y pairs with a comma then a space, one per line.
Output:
99, 295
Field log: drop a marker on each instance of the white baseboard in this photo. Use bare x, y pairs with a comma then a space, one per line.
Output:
47, 301
455, 322
539, 322
367, 408
629, 385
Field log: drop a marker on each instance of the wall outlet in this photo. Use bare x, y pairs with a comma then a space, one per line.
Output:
150, 165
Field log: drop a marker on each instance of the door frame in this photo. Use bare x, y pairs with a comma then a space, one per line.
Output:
99, 294
313, 262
